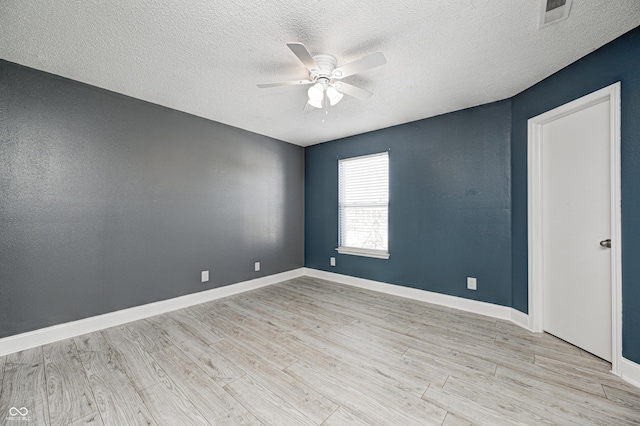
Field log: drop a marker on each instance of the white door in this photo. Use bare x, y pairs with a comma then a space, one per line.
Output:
576, 212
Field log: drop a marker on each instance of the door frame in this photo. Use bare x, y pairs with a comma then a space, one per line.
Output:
535, 212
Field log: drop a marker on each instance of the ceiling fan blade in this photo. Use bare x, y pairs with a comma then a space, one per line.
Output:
303, 54
354, 91
284, 83
363, 64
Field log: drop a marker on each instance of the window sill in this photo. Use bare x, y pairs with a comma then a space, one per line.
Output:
378, 254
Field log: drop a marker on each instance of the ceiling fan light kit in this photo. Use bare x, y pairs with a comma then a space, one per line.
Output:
323, 91
323, 76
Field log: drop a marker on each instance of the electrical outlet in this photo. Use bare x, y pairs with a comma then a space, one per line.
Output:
332, 261
256, 266
472, 283
204, 276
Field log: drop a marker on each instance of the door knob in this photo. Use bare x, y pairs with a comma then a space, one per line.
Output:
606, 243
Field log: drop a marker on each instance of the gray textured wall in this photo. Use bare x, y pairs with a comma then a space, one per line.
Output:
108, 202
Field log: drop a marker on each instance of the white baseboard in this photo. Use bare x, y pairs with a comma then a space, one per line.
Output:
520, 318
468, 305
630, 372
54, 333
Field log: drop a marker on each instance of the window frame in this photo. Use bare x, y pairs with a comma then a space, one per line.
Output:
359, 251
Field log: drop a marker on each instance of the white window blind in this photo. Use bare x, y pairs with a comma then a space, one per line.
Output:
364, 205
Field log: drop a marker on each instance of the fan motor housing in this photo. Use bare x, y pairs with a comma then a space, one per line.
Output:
326, 63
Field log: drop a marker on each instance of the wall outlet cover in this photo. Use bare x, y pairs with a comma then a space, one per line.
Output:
204, 276
472, 283
256, 266
332, 261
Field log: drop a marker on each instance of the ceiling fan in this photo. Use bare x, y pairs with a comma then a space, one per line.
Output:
325, 77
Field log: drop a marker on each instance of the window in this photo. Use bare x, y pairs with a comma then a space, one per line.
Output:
363, 198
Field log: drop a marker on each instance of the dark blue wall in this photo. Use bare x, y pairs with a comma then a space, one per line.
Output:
108, 202
449, 208
617, 61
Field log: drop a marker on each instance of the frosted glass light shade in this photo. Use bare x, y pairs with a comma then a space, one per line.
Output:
333, 95
316, 92
315, 103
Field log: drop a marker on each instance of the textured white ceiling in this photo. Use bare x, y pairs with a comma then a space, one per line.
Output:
205, 57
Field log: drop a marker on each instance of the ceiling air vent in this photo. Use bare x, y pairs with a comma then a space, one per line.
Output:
553, 11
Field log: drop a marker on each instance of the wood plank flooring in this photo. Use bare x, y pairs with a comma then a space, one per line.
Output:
312, 352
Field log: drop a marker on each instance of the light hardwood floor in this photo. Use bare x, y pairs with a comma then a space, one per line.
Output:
311, 352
